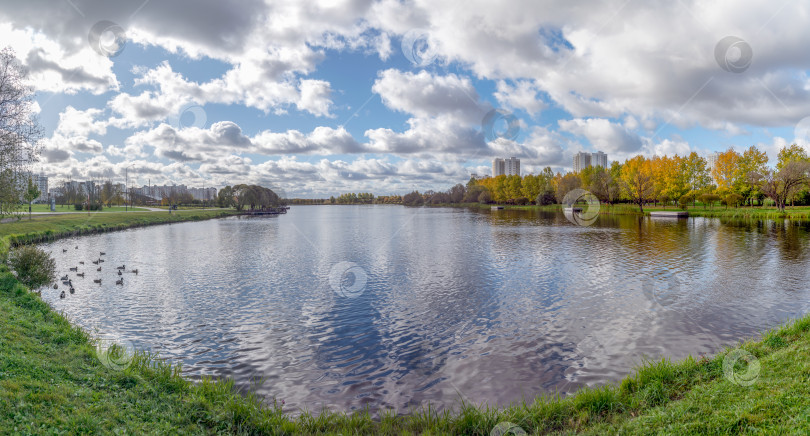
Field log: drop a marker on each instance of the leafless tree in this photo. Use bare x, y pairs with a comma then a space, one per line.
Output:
19, 131
780, 185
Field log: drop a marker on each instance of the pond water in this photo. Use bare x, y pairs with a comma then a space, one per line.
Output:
346, 307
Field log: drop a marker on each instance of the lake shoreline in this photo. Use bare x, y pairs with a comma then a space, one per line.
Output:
794, 213
52, 227
51, 375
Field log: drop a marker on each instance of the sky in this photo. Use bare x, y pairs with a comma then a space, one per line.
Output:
319, 98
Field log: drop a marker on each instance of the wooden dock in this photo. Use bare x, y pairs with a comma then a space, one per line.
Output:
669, 214
266, 211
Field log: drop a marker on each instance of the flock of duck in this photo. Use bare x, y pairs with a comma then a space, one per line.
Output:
67, 281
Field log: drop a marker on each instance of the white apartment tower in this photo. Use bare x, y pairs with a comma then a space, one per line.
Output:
509, 167
584, 160
712, 161
599, 159
498, 167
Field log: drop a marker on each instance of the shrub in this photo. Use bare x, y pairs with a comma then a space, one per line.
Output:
33, 266
545, 198
96, 206
522, 201
733, 200
78, 206
684, 201
709, 199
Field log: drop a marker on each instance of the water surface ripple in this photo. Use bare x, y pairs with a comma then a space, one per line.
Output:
479, 306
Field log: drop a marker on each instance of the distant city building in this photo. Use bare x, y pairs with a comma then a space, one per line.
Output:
712, 161
599, 159
584, 160
509, 167
156, 192
83, 189
203, 193
42, 184
39, 180
498, 167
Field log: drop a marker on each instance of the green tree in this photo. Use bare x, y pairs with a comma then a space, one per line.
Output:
513, 187
225, 197
531, 186
791, 153
752, 161
695, 174
31, 194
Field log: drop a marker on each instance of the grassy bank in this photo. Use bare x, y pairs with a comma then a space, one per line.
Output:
70, 208
46, 227
53, 381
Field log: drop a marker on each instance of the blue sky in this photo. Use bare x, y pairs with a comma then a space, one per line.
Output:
327, 97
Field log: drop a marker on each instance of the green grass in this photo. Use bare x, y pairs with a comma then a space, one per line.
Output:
52, 381
45, 227
70, 208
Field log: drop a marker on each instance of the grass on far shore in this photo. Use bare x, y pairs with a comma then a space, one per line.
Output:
52, 381
70, 208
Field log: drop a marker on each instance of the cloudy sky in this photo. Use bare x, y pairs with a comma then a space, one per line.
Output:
318, 98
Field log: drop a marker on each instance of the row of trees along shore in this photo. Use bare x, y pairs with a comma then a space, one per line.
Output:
249, 196
736, 179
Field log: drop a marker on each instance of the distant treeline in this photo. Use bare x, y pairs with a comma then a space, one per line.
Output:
249, 196
735, 179
351, 198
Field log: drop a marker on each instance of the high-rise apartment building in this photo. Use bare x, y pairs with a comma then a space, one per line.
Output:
509, 167
498, 167
599, 159
584, 160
